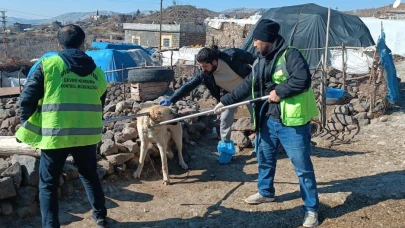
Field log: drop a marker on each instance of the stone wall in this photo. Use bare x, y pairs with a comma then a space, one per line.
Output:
228, 34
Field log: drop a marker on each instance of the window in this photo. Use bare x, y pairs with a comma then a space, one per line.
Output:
167, 41
136, 40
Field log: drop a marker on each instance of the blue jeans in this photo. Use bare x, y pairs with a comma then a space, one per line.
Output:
51, 165
297, 144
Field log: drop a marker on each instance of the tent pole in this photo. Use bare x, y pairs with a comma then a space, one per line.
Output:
325, 71
343, 67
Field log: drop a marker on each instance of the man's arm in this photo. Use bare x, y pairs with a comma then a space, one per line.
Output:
187, 88
33, 91
300, 77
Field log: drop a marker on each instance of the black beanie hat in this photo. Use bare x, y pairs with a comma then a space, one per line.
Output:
266, 30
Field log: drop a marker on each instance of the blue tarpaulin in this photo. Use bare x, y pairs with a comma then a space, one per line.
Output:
109, 60
389, 67
116, 46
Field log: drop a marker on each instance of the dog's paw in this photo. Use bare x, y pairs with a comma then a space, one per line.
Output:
137, 174
183, 165
166, 182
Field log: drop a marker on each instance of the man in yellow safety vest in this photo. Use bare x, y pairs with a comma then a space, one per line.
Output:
283, 73
61, 110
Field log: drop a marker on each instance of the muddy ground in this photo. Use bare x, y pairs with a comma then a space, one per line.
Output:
360, 185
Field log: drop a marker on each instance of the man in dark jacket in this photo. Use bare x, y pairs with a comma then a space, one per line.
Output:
61, 113
283, 73
221, 71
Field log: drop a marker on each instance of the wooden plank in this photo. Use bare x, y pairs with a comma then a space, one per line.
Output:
9, 91
9, 146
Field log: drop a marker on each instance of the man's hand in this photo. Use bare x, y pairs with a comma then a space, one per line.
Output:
273, 97
218, 108
165, 102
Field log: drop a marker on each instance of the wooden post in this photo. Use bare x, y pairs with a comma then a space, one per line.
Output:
212, 41
343, 67
233, 43
171, 59
325, 71
122, 78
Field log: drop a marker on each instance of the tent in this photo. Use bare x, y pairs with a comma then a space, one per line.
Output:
118, 46
110, 60
304, 27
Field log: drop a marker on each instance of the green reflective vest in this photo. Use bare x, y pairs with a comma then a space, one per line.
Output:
297, 110
70, 112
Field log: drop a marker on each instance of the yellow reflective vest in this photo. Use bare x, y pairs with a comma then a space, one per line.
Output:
297, 110
70, 112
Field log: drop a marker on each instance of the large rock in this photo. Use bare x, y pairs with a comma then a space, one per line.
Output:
130, 133
14, 171
29, 169
6, 208
3, 165
242, 124
108, 135
7, 188
70, 171
122, 105
26, 195
343, 119
29, 211
240, 139
119, 159
344, 109
335, 126
108, 148
132, 146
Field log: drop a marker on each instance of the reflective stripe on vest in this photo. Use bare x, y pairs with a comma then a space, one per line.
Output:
70, 112
61, 131
69, 107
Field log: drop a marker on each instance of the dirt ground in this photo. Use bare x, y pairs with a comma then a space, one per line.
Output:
360, 185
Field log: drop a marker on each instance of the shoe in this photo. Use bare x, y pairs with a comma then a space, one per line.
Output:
101, 222
311, 219
258, 199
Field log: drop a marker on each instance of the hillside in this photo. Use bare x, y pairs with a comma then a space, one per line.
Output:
179, 14
375, 12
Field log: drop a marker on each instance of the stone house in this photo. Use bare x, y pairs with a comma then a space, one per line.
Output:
228, 33
174, 36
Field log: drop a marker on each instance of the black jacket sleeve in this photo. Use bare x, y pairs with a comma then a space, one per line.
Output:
299, 79
102, 99
33, 91
187, 88
240, 93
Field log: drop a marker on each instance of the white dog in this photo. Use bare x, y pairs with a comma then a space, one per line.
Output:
162, 136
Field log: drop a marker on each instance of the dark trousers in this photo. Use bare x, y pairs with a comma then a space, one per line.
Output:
51, 165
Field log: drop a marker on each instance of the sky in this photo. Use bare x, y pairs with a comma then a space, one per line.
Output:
43, 9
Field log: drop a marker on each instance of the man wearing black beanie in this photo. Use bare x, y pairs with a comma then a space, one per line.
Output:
283, 73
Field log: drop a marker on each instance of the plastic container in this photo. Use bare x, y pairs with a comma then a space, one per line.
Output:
226, 150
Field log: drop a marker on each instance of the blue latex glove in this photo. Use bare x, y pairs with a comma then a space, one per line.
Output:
165, 102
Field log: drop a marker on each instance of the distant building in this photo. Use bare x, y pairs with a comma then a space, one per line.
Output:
395, 14
95, 17
56, 24
20, 27
173, 35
